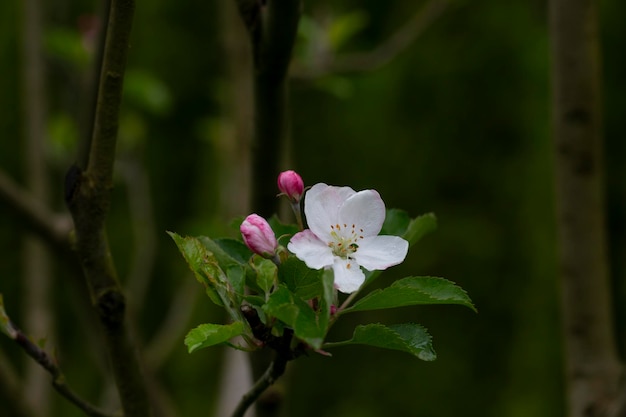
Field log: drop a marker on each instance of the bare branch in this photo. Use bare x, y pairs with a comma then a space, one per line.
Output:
381, 55
275, 370
58, 379
54, 228
272, 28
88, 198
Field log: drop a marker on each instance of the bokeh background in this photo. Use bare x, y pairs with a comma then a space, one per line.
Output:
456, 121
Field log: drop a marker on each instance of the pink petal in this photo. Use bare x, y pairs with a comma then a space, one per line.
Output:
381, 252
309, 249
348, 275
321, 207
364, 209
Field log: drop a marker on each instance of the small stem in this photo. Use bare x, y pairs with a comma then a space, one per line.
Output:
296, 210
273, 372
58, 379
347, 301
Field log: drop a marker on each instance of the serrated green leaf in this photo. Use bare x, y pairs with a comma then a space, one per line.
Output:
304, 282
396, 222
419, 227
414, 291
297, 314
235, 249
5, 323
266, 272
203, 265
206, 335
408, 337
227, 251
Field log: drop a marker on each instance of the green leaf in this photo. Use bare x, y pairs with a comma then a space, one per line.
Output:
419, 227
297, 314
408, 337
209, 334
146, 91
344, 27
5, 323
283, 231
227, 251
304, 282
414, 291
205, 268
236, 275
396, 222
66, 45
266, 273
235, 249
327, 299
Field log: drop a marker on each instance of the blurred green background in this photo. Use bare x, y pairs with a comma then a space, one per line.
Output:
456, 123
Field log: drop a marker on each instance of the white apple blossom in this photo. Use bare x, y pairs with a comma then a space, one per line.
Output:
343, 235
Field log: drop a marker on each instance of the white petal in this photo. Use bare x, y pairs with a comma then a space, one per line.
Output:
308, 248
366, 210
381, 252
348, 275
321, 207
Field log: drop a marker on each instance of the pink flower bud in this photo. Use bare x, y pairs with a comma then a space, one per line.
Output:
259, 236
291, 184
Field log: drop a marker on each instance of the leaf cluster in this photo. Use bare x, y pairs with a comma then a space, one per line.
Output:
288, 307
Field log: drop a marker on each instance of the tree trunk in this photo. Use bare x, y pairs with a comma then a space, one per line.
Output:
36, 259
592, 365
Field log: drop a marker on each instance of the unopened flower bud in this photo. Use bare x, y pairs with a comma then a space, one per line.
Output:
259, 236
291, 184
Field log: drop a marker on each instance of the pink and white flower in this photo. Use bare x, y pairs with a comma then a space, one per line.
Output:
343, 235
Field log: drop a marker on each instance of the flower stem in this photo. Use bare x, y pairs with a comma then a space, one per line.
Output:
273, 372
347, 301
296, 210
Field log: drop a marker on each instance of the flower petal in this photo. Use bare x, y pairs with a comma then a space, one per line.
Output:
366, 210
381, 252
321, 207
308, 248
348, 275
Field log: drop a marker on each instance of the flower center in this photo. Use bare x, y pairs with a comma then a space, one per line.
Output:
344, 240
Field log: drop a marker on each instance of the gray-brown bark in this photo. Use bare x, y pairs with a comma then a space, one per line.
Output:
592, 366
36, 260
88, 198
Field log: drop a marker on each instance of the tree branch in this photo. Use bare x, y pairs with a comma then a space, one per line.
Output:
272, 30
275, 370
49, 364
54, 228
88, 198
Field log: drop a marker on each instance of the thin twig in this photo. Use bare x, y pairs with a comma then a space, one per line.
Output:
58, 379
382, 54
274, 371
54, 228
